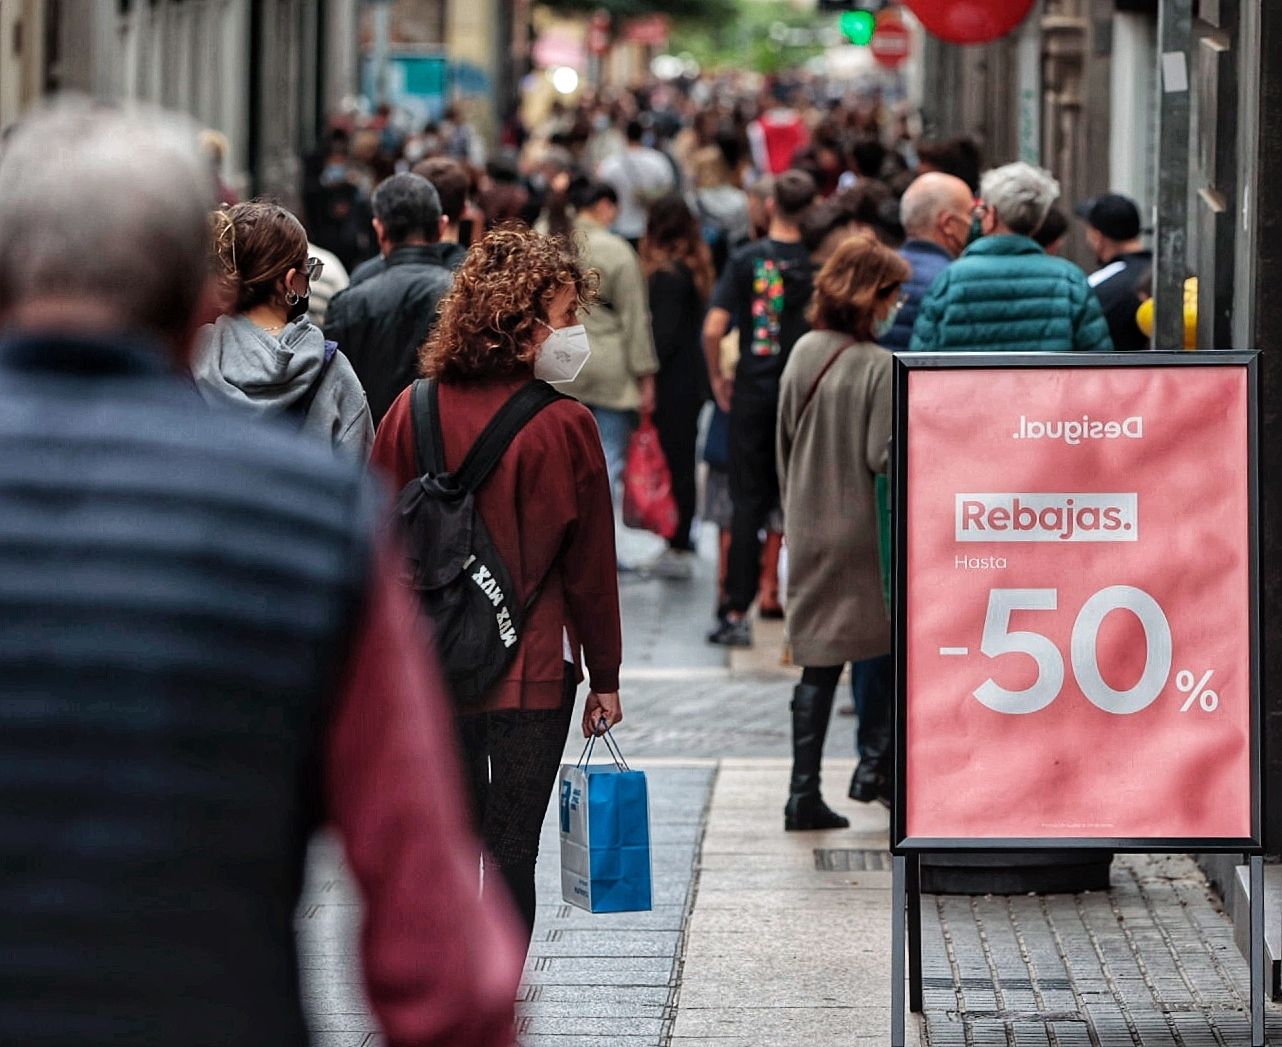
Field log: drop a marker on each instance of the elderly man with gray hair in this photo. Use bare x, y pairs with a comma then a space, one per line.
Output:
206, 653
1005, 292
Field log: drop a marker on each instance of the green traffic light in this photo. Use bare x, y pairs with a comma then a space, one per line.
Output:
858, 26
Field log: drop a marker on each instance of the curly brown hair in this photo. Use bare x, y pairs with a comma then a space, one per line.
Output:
862, 273
501, 293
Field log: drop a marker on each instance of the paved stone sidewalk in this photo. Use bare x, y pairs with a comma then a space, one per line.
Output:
1151, 962
781, 950
766, 939
593, 980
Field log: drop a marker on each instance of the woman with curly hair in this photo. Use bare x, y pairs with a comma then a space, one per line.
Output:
265, 355
678, 266
547, 507
834, 430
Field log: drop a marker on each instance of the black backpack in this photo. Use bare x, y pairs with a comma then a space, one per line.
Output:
464, 585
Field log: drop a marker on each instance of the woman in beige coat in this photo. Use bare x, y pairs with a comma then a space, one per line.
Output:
834, 428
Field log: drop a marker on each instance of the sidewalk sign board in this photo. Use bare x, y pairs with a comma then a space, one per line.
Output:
1076, 612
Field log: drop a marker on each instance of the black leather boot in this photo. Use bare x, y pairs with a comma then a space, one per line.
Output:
811, 708
873, 778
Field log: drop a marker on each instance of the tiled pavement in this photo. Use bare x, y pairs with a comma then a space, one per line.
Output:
612, 979
784, 952
1151, 962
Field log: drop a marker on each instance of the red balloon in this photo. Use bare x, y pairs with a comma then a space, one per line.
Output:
970, 21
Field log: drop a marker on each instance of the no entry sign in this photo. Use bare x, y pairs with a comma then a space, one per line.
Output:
891, 42
1076, 601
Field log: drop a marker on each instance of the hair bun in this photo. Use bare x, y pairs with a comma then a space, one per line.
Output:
222, 230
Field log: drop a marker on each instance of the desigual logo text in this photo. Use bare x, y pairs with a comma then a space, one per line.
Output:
1074, 431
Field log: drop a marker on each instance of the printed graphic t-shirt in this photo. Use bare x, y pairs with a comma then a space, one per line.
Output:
765, 288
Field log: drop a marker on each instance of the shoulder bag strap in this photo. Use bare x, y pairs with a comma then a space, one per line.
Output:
494, 440
425, 416
814, 386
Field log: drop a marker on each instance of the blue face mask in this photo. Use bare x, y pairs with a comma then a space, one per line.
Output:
976, 230
887, 322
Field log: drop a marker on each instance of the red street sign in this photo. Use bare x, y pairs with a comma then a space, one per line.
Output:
1077, 623
649, 30
892, 42
599, 33
598, 40
970, 21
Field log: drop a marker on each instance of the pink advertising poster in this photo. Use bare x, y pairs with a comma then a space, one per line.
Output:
1078, 604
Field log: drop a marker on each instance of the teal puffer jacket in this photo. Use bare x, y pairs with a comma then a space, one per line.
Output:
1006, 294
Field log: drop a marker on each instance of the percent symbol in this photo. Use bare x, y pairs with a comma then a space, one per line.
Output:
1197, 691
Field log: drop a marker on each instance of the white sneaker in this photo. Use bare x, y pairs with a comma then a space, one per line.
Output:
675, 565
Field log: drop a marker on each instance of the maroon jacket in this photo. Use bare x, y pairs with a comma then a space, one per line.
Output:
549, 495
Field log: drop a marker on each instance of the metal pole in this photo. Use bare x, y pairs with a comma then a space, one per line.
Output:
1028, 73
1170, 266
1257, 951
913, 869
898, 926
381, 17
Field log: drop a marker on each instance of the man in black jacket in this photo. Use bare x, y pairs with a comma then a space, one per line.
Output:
449, 179
1113, 230
380, 323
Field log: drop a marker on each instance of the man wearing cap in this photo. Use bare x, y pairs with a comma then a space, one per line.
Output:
1113, 231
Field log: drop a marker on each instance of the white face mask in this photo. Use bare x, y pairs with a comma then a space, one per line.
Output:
563, 354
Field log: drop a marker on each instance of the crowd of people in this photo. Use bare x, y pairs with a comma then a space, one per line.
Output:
737, 269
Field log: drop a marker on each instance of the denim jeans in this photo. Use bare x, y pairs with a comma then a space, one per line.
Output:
616, 430
872, 685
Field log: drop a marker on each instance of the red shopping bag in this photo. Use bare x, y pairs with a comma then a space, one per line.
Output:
647, 484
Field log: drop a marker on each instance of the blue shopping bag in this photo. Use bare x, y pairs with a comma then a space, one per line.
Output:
605, 834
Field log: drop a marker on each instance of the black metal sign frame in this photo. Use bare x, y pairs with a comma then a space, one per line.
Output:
906, 893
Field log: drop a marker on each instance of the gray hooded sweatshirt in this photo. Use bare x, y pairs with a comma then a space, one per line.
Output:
238, 362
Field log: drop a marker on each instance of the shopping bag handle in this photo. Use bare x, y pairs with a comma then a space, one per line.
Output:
616, 754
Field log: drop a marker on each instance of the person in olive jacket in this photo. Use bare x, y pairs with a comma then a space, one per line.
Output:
1005, 293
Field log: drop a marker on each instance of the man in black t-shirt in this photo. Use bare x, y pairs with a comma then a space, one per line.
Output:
1113, 230
763, 293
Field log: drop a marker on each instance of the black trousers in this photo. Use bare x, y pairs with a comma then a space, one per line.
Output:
511, 760
754, 492
872, 683
677, 419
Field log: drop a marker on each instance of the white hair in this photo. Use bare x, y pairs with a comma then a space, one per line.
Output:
1020, 194
100, 203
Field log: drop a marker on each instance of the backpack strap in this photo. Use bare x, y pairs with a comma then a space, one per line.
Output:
494, 440
425, 418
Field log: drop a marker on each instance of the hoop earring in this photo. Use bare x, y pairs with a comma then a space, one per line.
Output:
292, 298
